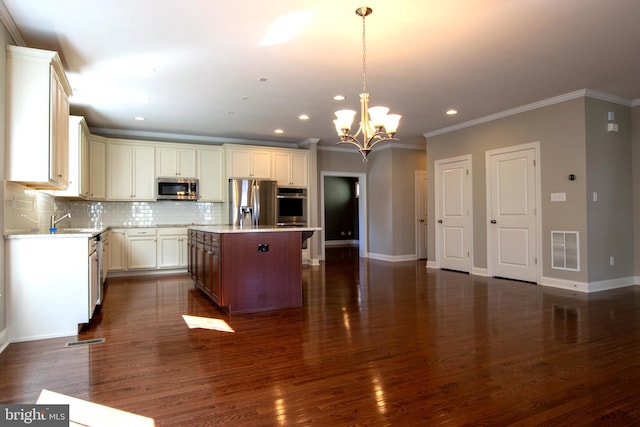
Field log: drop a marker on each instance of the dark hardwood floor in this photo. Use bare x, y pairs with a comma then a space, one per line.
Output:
376, 343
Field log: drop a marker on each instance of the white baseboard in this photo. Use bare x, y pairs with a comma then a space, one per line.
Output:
480, 271
71, 333
431, 264
4, 340
587, 287
393, 258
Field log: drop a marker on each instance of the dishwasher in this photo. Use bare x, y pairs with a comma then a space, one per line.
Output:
94, 274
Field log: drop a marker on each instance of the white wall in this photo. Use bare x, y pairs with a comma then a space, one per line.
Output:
5, 39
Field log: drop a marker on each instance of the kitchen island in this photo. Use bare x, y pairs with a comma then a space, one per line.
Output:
246, 270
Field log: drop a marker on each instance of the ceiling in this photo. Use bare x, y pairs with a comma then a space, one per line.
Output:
193, 68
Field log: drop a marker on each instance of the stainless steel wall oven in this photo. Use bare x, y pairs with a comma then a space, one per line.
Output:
292, 206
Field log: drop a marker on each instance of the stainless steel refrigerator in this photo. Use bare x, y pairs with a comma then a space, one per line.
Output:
252, 202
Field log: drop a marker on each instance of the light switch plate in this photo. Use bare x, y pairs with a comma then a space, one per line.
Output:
559, 197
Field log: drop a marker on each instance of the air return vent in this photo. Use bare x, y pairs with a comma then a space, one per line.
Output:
85, 342
565, 254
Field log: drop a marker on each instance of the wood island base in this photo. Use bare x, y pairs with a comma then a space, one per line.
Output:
245, 271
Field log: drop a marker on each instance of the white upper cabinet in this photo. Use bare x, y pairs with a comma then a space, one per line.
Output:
37, 119
248, 162
130, 172
176, 162
291, 168
210, 174
97, 167
78, 160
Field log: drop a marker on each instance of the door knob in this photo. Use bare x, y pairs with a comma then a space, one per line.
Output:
493, 221
439, 221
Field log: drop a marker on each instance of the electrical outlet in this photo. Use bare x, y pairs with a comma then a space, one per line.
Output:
611, 260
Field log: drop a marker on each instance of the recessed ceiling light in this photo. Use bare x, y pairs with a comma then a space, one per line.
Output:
339, 98
263, 79
452, 112
139, 118
244, 98
303, 117
278, 131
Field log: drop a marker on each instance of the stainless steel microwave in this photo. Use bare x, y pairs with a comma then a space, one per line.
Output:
177, 189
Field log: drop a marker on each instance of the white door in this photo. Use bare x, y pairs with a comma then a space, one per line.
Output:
511, 210
421, 214
453, 211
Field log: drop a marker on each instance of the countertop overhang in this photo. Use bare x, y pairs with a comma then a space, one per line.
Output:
92, 232
258, 229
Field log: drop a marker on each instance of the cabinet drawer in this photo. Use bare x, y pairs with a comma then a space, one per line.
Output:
132, 232
171, 231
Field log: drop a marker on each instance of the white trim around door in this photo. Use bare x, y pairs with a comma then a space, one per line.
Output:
362, 206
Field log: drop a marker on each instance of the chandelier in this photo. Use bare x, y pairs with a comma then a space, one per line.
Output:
375, 124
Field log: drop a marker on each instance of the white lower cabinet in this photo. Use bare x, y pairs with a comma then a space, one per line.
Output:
50, 300
172, 247
141, 248
148, 248
116, 250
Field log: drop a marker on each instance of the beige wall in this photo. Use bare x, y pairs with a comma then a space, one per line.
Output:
390, 175
380, 199
573, 139
405, 165
635, 156
560, 131
610, 218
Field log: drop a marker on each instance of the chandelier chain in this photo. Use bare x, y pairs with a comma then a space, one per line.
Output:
364, 55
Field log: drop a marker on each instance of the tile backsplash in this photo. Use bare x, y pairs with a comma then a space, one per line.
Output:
27, 209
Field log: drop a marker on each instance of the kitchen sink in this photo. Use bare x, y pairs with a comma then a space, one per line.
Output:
77, 230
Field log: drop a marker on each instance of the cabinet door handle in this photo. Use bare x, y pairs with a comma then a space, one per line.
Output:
439, 221
493, 221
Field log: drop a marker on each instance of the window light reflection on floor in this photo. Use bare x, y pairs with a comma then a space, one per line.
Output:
206, 323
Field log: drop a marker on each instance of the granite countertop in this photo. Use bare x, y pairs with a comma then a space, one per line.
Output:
60, 233
92, 232
258, 229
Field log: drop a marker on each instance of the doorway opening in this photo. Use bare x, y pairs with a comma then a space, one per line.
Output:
343, 199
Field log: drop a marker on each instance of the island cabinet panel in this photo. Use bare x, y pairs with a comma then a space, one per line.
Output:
262, 271
248, 271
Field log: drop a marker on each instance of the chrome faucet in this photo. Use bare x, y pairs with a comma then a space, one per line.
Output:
54, 221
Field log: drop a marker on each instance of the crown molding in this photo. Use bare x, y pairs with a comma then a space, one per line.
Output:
178, 137
10, 25
378, 148
535, 105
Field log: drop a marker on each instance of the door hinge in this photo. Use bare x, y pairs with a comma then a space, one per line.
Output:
535, 260
534, 163
467, 172
468, 254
